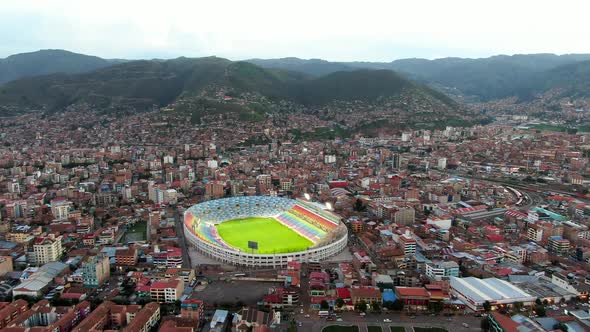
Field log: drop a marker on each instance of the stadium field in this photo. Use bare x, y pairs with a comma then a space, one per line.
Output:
272, 236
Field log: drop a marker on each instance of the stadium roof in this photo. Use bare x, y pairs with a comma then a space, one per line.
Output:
490, 289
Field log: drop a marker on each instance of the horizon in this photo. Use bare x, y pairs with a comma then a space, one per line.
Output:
292, 57
338, 33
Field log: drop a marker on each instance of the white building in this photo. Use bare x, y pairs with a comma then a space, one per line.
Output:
212, 164
439, 270
45, 250
474, 292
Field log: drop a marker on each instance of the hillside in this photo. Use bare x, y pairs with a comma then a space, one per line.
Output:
484, 79
572, 80
49, 62
311, 67
140, 84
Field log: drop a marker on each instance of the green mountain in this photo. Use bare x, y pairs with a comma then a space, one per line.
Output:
140, 84
486, 78
572, 80
49, 62
311, 67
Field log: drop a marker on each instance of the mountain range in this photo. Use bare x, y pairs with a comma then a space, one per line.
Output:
483, 79
49, 62
53, 79
148, 82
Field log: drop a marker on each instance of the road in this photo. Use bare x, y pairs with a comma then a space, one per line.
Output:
315, 324
178, 223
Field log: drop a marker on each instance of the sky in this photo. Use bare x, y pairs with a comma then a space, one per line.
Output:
333, 30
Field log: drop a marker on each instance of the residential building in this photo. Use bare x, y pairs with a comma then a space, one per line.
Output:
439, 270
166, 291
192, 309
46, 249
95, 271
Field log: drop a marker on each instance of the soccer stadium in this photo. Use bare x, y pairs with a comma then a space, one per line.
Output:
264, 230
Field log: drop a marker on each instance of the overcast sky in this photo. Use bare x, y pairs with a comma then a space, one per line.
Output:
334, 30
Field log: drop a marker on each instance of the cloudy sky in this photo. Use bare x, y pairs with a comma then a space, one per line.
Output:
334, 30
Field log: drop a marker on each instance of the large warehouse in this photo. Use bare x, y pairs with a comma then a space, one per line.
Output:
475, 292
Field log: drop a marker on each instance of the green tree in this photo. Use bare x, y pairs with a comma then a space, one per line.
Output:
376, 306
388, 305
540, 311
398, 305
361, 306
359, 206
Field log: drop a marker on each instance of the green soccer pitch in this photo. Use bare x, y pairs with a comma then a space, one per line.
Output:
272, 236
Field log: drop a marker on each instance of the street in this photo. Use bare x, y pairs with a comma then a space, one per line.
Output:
178, 223
315, 324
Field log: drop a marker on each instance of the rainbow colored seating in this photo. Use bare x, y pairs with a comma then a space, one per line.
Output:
313, 217
208, 232
301, 226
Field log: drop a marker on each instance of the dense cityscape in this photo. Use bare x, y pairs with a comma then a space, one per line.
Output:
454, 223
318, 166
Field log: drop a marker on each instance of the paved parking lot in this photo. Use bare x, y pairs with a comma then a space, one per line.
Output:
249, 292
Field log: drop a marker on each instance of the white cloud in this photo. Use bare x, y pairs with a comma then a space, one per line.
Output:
336, 30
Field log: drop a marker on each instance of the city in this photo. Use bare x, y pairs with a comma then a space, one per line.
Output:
158, 188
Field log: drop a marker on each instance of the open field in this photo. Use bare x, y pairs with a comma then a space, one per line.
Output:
550, 127
136, 232
272, 236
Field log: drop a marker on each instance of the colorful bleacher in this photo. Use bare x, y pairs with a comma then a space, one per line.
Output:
312, 217
301, 216
302, 227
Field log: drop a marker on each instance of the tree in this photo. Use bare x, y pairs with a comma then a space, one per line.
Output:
324, 305
359, 206
376, 306
398, 305
361, 306
389, 305
487, 306
540, 311
339, 303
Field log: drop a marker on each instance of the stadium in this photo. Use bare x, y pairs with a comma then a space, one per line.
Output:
264, 231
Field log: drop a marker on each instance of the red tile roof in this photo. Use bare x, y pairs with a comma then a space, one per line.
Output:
412, 291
